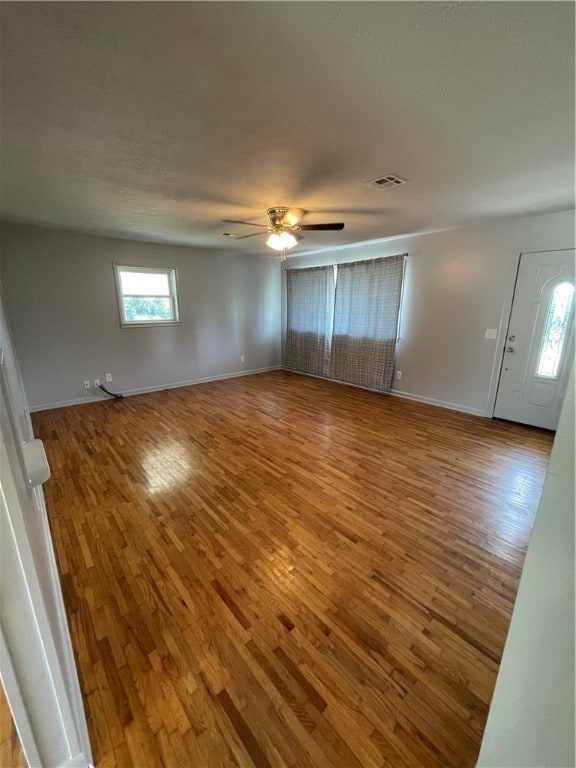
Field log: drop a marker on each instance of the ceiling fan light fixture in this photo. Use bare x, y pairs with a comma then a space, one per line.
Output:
281, 241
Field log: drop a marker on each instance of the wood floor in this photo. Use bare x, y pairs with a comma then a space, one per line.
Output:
280, 571
11, 755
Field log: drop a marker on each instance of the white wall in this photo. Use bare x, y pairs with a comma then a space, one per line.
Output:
532, 715
458, 284
61, 301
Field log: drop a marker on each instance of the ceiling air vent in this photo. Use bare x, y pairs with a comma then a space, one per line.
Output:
387, 182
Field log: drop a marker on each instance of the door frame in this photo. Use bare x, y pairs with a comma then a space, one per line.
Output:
44, 629
505, 317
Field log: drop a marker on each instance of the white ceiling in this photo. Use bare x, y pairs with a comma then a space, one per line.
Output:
157, 120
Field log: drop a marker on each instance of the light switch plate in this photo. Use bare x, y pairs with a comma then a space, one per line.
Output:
491, 333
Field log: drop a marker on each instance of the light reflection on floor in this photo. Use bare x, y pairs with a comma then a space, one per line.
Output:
166, 466
517, 476
517, 482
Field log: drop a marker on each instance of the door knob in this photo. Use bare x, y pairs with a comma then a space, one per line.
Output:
512, 338
510, 349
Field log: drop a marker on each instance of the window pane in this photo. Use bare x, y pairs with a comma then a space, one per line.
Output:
145, 283
143, 309
555, 331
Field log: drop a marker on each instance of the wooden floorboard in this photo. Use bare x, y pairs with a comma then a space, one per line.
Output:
277, 571
11, 753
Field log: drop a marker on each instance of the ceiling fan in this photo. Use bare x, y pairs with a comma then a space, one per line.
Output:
284, 224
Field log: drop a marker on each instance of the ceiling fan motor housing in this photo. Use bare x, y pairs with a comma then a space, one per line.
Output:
283, 220
276, 216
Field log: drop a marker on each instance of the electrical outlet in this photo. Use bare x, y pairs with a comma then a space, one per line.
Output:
242, 358
96, 382
108, 377
398, 375
491, 333
86, 385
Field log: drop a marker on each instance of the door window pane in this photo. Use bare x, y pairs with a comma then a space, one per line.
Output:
555, 331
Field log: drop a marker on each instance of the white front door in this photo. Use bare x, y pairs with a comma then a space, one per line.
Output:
540, 340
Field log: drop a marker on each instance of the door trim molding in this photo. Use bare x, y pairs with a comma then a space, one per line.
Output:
498, 361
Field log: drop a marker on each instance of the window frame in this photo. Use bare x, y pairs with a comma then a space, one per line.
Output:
172, 276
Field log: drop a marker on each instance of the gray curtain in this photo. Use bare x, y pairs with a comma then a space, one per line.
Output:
310, 297
366, 322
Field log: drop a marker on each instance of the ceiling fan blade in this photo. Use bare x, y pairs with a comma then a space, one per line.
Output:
334, 226
240, 237
248, 223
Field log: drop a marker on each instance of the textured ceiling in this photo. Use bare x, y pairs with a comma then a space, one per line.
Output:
157, 120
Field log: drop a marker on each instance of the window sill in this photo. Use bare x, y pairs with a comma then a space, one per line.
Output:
151, 324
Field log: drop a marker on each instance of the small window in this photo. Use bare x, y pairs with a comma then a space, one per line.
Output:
146, 296
555, 331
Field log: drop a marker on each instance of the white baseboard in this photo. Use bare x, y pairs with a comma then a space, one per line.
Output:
144, 390
237, 374
397, 393
439, 403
